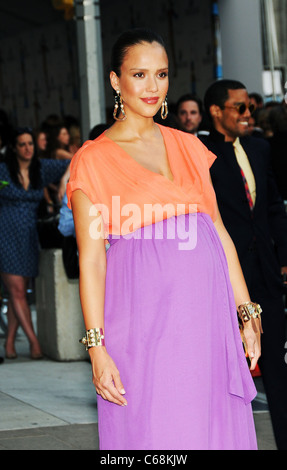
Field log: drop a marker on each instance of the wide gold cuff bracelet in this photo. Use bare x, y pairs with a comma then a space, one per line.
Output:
93, 337
250, 311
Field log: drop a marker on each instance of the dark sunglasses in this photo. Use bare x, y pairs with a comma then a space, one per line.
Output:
241, 108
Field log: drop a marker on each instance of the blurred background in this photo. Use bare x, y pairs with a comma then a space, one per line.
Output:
55, 54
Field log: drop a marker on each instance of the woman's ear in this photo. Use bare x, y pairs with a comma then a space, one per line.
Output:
114, 79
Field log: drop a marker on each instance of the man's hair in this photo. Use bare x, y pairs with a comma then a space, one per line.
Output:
189, 97
257, 97
217, 93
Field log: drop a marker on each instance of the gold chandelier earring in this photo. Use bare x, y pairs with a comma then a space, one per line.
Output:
164, 109
119, 107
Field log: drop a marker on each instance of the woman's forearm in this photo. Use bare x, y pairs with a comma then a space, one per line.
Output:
63, 183
92, 293
66, 175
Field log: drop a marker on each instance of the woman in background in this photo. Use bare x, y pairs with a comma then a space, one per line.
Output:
26, 176
58, 143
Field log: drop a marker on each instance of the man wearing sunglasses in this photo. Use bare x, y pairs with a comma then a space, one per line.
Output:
255, 218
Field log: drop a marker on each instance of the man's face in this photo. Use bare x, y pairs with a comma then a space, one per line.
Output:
189, 116
228, 121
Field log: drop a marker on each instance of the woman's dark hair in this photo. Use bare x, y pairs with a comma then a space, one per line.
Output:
52, 139
128, 39
12, 162
217, 93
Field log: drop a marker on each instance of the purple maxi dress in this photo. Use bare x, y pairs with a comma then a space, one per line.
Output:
171, 328
170, 316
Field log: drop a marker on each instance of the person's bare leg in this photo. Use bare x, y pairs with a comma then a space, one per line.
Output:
17, 290
13, 325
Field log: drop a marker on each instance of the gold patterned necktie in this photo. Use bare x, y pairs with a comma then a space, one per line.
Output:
245, 169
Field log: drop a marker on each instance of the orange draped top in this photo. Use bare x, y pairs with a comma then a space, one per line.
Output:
130, 196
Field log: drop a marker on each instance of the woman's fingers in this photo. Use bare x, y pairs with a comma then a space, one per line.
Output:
118, 383
112, 390
253, 349
106, 377
251, 337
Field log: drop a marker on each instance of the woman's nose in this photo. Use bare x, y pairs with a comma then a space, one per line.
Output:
152, 84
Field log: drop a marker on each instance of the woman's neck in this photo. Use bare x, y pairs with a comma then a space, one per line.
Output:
131, 129
23, 164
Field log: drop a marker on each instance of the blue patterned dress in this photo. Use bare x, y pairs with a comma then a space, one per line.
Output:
19, 244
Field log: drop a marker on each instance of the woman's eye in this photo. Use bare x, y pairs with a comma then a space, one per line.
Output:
142, 75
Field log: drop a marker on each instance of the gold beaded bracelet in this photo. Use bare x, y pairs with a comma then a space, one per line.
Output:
94, 337
250, 311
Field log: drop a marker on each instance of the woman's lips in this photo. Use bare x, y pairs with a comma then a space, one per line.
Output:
151, 100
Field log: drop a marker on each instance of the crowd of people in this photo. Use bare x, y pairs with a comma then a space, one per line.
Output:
243, 141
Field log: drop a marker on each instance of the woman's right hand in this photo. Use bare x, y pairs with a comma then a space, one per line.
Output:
106, 377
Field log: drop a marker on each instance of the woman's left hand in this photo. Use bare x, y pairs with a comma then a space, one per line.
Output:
252, 341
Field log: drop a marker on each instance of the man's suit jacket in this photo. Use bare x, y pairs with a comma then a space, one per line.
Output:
262, 232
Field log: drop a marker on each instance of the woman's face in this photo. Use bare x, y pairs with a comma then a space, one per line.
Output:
24, 147
64, 136
143, 83
42, 141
